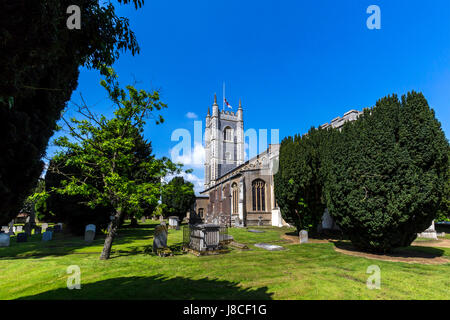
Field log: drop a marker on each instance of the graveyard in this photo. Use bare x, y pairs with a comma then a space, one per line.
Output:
271, 264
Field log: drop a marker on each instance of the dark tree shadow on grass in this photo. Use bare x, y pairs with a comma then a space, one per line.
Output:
157, 287
406, 252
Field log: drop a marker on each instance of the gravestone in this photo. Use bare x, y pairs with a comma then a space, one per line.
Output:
47, 236
44, 226
161, 218
160, 238
22, 237
143, 220
89, 233
11, 228
260, 223
303, 236
4, 240
270, 247
430, 233
173, 222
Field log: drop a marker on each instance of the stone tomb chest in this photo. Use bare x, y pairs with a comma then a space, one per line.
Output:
202, 237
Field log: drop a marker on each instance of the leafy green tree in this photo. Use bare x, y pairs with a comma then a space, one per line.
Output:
40, 65
298, 182
103, 150
386, 173
178, 197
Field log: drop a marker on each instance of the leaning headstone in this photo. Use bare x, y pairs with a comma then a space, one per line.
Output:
303, 236
160, 238
4, 240
47, 236
89, 233
22, 237
270, 247
11, 228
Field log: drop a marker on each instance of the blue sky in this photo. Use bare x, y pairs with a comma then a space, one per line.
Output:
294, 64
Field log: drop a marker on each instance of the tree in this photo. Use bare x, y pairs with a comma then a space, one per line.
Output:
40, 61
103, 150
178, 197
444, 209
386, 173
298, 182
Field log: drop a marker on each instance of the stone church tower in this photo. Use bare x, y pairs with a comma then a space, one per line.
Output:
224, 142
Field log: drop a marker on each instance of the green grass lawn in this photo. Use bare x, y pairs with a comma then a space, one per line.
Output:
37, 270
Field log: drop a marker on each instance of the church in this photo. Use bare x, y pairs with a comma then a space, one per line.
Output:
239, 192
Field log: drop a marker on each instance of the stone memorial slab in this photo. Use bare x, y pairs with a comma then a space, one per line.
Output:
270, 247
143, 219
22, 237
255, 231
160, 238
303, 236
47, 236
161, 218
89, 233
4, 240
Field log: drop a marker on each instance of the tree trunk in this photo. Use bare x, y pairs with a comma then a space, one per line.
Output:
112, 231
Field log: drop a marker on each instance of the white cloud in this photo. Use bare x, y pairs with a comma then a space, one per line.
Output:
191, 115
193, 158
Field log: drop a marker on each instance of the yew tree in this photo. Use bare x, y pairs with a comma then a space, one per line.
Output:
40, 62
387, 172
177, 198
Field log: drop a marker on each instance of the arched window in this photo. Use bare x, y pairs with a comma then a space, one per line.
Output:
235, 193
227, 134
259, 195
200, 212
